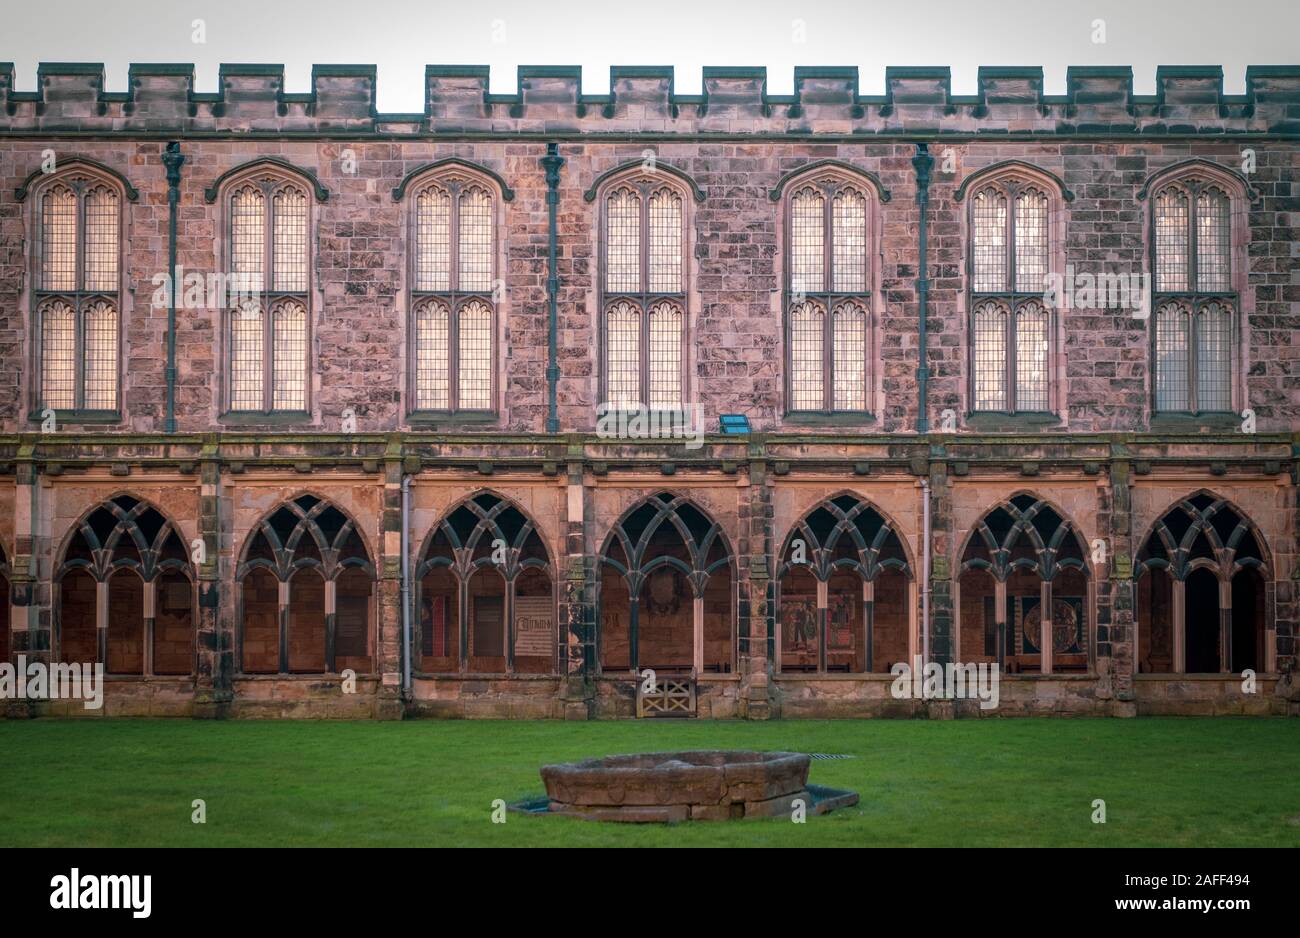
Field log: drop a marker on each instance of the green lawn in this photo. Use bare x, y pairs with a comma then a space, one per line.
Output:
1185, 782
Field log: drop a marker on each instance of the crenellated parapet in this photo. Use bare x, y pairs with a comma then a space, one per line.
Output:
72, 97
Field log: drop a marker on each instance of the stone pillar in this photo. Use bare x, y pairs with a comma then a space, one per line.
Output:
1117, 649
1046, 626
214, 630
1000, 617
942, 649
1179, 626
756, 609
1225, 626
389, 640
576, 625
30, 619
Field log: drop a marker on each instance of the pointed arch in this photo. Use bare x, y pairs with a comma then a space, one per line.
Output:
1171, 541
832, 167
845, 590
265, 165
306, 581
72, 165
1014, 229
1004, 527
1013, 168
123, 531
666, 589
854, 519
416, 177
1197, 250
484, 591
1022, 556
635, 168
268, 247
124, 590
1223, 175
1203, 592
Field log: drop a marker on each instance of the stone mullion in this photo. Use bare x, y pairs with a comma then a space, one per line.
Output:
214, 640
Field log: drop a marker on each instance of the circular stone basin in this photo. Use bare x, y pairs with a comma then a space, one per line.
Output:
680, 786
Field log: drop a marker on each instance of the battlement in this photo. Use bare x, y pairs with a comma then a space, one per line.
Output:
549, 99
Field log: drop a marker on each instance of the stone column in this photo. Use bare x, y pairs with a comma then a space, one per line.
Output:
1046, 626
756, 612
575, 628
1000, 617
1117, 650
941, 541
214, 627
388, 630
31, 618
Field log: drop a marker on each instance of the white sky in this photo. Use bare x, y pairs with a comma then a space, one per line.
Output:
401, 36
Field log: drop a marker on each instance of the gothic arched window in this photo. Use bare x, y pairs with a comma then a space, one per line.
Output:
1195, 263
77, 290
484, 592
306, 585
845, 591
1011, 261
454, 290
830, 248
643, 238
269, 289
125, 592
1021, 558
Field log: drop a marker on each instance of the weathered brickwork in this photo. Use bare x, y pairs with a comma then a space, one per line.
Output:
1103, 460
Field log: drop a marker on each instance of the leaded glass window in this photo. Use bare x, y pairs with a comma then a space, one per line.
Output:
454, 295
268, 295
828, 296
78, 246
644, 294
1011, 329
1194, 298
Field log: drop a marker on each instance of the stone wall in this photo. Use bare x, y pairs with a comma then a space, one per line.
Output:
1106, 464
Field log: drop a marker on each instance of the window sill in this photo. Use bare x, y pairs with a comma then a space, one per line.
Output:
993, 421
821, 418
451, 419
1211, 420
257, 418
98, 417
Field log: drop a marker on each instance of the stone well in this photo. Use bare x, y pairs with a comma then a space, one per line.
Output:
681, 786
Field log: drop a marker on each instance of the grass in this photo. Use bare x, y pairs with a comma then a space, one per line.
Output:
1166, 782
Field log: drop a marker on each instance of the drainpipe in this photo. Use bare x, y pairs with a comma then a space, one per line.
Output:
552, 162
172, 159
925, 572
406, 584
922, 163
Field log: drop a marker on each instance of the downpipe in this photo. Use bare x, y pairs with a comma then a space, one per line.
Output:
406, 586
